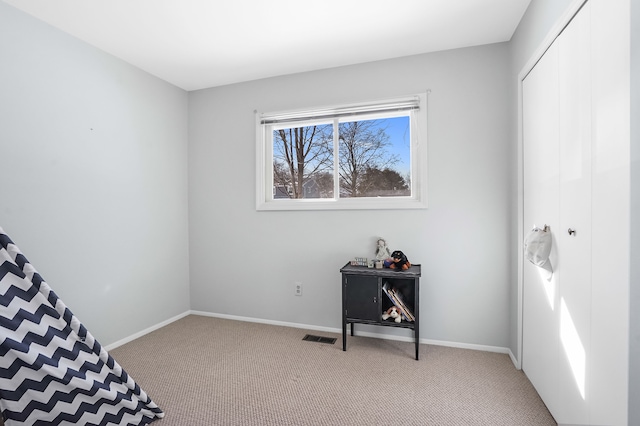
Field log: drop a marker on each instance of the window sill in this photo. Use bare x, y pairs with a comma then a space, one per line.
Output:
394, 203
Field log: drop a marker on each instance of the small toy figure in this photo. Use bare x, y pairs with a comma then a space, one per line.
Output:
382, 251
400, 261
392, 312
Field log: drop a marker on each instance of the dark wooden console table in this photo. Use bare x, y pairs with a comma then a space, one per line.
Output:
364, 298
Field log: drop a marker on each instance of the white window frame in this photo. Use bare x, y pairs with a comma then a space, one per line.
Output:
369, 110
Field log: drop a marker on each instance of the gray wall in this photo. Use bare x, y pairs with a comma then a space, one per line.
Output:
245, 263
93, 155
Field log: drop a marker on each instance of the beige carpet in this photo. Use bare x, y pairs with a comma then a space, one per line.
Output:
209, 371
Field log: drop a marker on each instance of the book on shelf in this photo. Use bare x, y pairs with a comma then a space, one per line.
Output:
403, 305
399, 303
396, 298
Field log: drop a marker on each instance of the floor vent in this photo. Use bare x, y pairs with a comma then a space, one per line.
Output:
312, 338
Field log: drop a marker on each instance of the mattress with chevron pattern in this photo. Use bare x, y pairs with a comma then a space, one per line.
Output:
52, 370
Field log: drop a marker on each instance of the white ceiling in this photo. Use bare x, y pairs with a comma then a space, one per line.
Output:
196, 44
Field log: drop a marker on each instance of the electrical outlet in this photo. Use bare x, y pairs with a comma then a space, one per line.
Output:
298, 288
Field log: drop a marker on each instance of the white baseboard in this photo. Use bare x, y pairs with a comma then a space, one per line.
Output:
515, 360
145, 331
471, 346
270, 322
484, 348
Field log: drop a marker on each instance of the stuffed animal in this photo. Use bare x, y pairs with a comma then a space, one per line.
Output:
393, 312
400, 261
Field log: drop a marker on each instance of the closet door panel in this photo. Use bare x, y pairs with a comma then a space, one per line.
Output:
541, 206
610, 29
574, 232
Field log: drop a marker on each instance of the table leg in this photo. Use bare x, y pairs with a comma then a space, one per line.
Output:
344, 336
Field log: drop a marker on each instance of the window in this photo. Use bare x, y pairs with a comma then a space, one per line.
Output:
364, 156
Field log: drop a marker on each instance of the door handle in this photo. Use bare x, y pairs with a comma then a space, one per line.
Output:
571, 231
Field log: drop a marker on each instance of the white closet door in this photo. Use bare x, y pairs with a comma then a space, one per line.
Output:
557, 192
574, 232
540, 332
576, 179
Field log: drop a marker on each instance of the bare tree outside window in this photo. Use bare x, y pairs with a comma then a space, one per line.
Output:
369, 156
302, 160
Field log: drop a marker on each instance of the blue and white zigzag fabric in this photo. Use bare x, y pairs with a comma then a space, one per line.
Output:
52, 370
